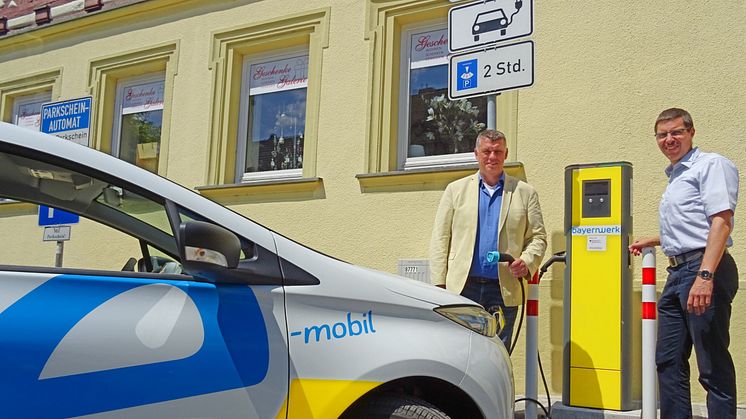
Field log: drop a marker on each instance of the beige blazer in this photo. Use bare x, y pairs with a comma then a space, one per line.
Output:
521, 233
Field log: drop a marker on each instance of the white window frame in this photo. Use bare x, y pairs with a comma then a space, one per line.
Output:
243, 121
403, 161
121, 86
18, 101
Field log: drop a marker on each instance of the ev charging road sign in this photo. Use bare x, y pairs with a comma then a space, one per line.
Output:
68, 119
476, 73
485, 22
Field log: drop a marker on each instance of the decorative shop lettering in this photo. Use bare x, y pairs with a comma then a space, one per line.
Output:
260, 73
284, 81
339, 330
596, 230
286, 74
152, 98
425, 42
142, 93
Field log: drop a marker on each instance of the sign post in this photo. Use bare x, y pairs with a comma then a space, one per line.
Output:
57, 228
69, 120
478, 66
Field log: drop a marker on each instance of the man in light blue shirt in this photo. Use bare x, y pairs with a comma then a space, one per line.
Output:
696, 219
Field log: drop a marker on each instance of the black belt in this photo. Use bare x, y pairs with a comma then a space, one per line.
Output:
677, 260
482, 280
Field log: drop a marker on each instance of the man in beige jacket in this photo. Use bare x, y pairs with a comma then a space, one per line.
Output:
488, 211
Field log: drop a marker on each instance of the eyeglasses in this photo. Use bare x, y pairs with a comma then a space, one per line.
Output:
677, 133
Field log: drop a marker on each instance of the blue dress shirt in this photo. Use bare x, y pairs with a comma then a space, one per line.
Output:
487, 224
699, 186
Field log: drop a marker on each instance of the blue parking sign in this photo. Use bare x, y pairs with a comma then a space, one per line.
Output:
466, 71
68, 119
49, 216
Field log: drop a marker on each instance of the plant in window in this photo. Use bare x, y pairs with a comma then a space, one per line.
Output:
287, 152
148, 131
452, 121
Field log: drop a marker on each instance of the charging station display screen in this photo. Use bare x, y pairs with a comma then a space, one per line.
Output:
597, 198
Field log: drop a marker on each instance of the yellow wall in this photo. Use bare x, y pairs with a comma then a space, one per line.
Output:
604, 70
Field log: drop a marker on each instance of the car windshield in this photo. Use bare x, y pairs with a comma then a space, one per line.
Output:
491, 15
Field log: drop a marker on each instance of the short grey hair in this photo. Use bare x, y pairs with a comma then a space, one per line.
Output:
491, 135
674, 113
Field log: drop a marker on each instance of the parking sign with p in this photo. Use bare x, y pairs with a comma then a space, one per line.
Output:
466, 73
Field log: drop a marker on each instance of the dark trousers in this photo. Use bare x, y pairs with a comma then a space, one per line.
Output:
488, 294
679, 330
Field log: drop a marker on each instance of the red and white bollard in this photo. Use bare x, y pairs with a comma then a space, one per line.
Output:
649, 332
532, 345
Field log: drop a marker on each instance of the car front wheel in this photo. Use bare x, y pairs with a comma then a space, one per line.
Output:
394, 407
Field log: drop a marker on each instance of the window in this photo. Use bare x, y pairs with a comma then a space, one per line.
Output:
132, 94
273, 98
27, 110
433, 130
138, 120
266, 128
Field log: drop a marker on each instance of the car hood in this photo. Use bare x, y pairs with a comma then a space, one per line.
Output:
344, 280
415, 289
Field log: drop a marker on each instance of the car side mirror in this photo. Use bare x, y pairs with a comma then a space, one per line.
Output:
208, 251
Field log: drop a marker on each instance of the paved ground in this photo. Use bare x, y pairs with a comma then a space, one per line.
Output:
559, 411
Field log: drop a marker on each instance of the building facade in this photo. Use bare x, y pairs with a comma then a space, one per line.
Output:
328, 120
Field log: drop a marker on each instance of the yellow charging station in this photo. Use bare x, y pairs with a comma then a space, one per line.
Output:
598, 287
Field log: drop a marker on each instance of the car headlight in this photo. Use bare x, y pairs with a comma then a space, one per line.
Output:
473, 318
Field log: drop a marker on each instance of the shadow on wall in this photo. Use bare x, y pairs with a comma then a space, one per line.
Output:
585, 389
556, 316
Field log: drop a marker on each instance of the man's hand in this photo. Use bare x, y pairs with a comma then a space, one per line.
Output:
636, 247
518, 268
700, 296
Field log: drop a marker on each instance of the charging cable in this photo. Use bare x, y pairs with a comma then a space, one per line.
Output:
505, 257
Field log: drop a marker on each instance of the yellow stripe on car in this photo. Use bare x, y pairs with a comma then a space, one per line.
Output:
312, 398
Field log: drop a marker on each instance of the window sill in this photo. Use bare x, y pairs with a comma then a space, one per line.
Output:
425, 179
265, 190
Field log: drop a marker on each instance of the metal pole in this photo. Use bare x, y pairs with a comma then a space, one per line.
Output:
649, 323
492, 112
532, 346
58, 254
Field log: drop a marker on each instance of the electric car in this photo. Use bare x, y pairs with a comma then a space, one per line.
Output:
180, 307
489, 21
